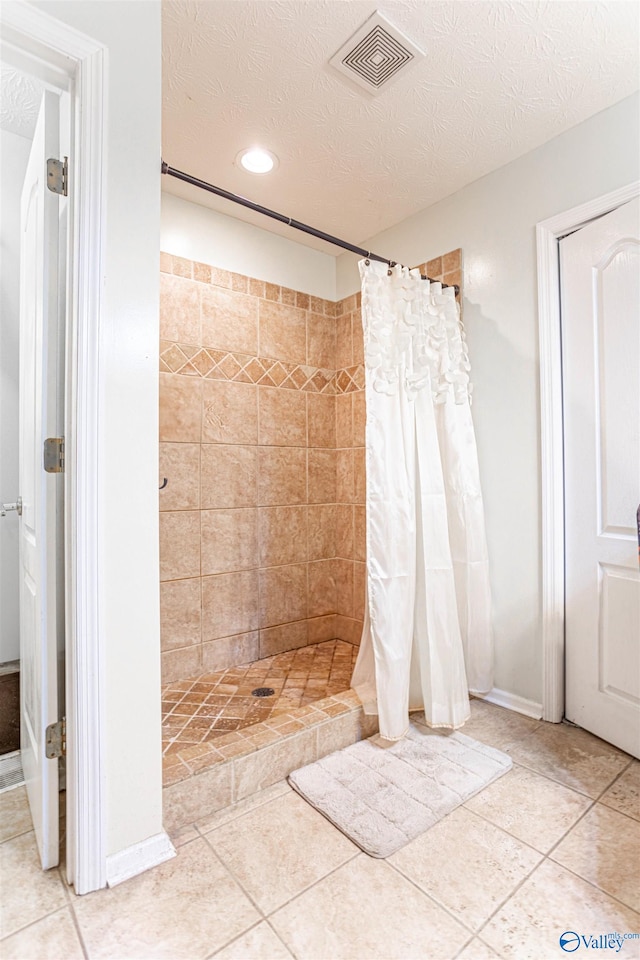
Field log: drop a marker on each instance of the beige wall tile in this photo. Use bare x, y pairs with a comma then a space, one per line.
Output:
229, 475
452, 261
282, 417
344, 587
273, 763
359, 589
197, 797
282, 535
321, 420
359, 532
321, 341
180, 613
344, 420
283, 594
166, 263
359, 418
344, 346
282, 475
221, 278
180, 408
182, 267
321, 628
348, 629
344, 530
181, 664
202, 272
358, 337
180, 464
340, 732
230, 412
229, 540
344, 476
283, 332
322, 588
359, 475
179, 545
229, 604
322, 476
229, 320
285, 636
229, 652
179, 309
322, 531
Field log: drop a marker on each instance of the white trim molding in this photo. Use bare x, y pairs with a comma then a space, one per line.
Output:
82, 62
141, 856
502, 698
548, 233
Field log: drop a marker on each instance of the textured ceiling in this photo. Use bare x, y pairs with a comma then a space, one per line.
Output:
498, 80
20, 97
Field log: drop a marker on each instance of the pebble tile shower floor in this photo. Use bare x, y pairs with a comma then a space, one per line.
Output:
200, 709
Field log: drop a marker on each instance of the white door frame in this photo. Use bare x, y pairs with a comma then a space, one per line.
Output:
548, 233
59, 48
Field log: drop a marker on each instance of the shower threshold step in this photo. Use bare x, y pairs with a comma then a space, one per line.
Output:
206, 777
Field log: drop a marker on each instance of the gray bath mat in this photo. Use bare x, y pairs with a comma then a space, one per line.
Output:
383, 797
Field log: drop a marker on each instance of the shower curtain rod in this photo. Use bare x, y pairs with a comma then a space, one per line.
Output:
296, 224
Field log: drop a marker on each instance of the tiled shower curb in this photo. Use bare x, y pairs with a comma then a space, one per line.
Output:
201, 780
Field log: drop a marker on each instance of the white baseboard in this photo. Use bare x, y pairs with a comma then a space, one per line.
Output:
138, 858
502, 698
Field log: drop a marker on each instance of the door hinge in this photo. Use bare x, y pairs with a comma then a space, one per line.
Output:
54, 455
56, 740
58, 176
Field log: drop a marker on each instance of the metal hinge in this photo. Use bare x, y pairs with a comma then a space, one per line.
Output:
58, 176
56, 739
54, 455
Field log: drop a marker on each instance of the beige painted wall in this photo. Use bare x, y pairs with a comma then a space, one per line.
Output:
128, 481
493, 220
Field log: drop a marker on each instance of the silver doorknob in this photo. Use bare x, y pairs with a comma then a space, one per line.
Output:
17, 506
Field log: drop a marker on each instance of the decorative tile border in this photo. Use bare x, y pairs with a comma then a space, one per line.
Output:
189, 360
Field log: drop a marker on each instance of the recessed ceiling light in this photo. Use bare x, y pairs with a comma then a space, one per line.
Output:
257, 160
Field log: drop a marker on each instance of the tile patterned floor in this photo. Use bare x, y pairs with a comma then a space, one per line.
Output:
206, 707
552, 846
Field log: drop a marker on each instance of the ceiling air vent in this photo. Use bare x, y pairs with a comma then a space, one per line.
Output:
375, 54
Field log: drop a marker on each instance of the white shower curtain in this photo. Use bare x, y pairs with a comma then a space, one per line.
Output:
427, 636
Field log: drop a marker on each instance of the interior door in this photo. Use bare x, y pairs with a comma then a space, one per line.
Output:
39, 614
600, 270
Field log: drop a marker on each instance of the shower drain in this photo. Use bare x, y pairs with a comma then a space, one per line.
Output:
263, 692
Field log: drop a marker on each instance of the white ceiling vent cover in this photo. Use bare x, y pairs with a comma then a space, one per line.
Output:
375, 54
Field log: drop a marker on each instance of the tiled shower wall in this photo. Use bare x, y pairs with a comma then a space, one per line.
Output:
247, 430
262, 420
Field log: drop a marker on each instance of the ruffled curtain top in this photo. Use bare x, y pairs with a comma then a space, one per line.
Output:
413, 332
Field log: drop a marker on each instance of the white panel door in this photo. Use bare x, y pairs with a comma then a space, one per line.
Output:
600, 270
39, 490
